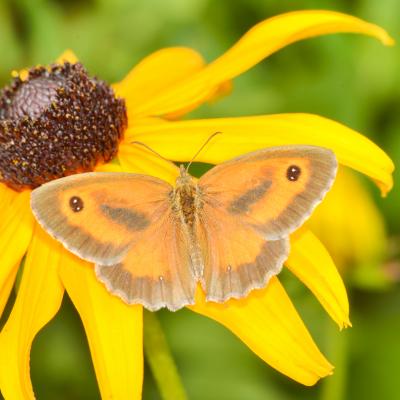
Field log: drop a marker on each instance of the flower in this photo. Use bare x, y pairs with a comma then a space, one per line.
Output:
163, 87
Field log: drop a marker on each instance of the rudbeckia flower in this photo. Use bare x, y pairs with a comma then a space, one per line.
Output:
160, 89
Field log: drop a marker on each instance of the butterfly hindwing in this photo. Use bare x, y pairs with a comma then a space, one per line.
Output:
156, 272
236, 258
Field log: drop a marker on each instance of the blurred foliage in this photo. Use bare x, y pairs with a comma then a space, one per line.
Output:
348, 78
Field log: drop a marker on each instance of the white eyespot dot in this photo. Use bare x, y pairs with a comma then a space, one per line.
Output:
161, 278
229, 268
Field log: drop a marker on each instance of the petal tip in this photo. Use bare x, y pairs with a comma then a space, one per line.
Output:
346, 324
387, 40
385, 187
381, 34
327, 370
343, 321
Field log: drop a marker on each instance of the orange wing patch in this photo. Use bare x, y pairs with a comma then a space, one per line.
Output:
236, 258
273, 190
98, 216
156, 272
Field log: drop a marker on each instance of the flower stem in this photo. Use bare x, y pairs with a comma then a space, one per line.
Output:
160, 360
334, 387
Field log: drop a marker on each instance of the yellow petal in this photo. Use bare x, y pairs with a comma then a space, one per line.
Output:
39, 298
157, 73
139, 160
7, 196
67, 56
259, 42
7, 272
113, 329
312, 264
351, 226
267, 322
143, 125
8, 279
16, 226
180, 140
110, 167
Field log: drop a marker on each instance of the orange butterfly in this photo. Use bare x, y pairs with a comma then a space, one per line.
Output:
152, 243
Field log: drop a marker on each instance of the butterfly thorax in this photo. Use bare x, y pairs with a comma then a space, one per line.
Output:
186, 198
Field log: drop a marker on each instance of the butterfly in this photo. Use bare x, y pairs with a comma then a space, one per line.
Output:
152, 243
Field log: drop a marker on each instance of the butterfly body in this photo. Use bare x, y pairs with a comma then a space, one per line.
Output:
152, 243
186, 198
186, 205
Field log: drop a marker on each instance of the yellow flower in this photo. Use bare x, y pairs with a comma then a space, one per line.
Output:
164, 86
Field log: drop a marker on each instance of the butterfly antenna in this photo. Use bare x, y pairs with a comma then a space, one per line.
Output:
150, 149
201, 148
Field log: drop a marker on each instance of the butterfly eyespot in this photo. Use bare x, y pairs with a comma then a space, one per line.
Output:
76, 203
293, 173
161, 278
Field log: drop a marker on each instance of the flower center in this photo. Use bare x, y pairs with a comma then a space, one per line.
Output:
32, 98
57, 122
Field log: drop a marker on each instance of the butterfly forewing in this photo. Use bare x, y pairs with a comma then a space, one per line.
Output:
273, 190
98, 216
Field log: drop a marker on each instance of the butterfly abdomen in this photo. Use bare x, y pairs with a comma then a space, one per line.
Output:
187, 204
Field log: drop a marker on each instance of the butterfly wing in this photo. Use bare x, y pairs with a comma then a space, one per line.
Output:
273, 190
157, 270
115, 210
236, 258
251, 205
123, 223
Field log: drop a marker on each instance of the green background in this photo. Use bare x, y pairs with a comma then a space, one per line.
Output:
352, 79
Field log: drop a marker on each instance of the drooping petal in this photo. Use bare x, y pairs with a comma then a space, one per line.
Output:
16, 226
353, 229
267, 322
38, 300
157, 73
312, 264
258, 43
137, 159
113, 329
180, 140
